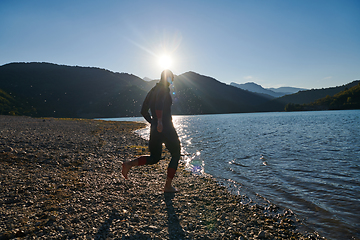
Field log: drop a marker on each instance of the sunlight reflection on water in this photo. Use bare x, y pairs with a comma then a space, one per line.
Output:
193, 160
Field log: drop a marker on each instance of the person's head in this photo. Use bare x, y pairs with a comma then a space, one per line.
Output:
167, 77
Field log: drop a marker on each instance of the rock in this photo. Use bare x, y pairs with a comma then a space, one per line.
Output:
191, 227
261, 234
8, 149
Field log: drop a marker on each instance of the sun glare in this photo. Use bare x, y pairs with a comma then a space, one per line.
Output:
165, 61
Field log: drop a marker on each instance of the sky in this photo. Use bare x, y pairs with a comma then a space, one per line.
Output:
298, 43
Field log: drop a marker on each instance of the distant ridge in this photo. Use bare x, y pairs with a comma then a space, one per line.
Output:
147, 79
287, 90
273, 92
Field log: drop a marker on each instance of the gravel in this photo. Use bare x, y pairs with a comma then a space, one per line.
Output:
61, 179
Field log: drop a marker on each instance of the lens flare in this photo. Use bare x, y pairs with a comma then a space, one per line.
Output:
165, 61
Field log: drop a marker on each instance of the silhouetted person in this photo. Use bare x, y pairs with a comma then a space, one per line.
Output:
162, 130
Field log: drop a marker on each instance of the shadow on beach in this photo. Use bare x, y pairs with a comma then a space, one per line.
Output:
104, 230
174, 228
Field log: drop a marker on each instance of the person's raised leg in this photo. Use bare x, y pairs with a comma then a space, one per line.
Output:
155, 148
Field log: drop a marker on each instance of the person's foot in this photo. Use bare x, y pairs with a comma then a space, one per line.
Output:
125, 169
170, 189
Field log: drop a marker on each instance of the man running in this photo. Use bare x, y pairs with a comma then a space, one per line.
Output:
162, 130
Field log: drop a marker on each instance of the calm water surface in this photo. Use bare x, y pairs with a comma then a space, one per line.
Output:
308, 162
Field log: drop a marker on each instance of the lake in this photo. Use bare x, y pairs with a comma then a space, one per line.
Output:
308, 162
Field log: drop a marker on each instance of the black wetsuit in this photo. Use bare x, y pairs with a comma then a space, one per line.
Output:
159, 102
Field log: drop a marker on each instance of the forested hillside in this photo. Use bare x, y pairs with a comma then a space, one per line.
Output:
304, 97
64, 91
347, 99
11, 106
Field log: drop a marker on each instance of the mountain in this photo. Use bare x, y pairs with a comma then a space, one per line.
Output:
196, 94
273, 92
253, 87
50, 90
64, 91
304, 97
287, 90
147, 79
10, 105
347, 99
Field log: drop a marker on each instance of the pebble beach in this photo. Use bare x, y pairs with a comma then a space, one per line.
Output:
61, 179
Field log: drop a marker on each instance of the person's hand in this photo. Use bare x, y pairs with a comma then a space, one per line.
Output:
160, 126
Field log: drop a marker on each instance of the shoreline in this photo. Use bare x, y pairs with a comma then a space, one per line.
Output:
61, 179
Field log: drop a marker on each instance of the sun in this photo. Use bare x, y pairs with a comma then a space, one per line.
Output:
165, 61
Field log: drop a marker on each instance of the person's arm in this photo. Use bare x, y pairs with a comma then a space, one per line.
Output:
145, 113
145, 107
